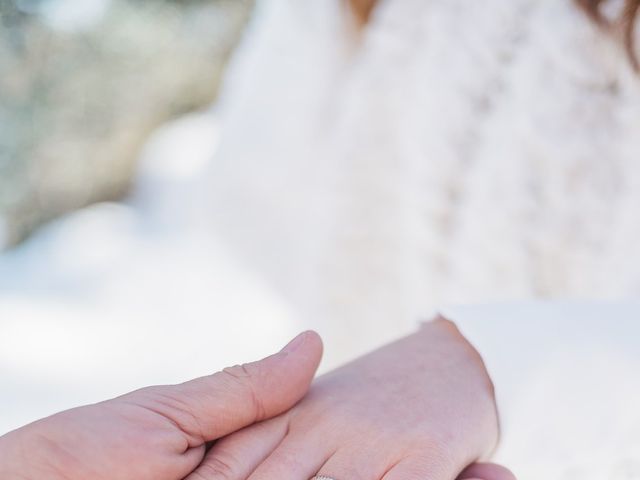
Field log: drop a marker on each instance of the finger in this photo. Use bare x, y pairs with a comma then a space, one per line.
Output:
421, 468
486, 471
211, 407
190, 459
352, 464
236, 456
296, 458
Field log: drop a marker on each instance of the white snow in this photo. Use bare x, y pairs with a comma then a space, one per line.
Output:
117, 296
74, 15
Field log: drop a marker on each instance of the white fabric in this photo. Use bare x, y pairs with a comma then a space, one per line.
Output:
567, 384
457, 152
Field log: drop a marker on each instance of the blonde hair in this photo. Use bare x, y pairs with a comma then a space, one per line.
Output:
625, 23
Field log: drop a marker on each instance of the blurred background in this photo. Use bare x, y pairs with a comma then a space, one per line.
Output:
186, 184
85, 83
105, 125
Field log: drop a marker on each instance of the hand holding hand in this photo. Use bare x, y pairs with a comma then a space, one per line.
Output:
367, 414
159, 433
419, 409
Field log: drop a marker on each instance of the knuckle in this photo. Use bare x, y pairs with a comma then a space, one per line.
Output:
173, 408
241, 373
289, 460
434, 455
216, 467
446, 324
244, 377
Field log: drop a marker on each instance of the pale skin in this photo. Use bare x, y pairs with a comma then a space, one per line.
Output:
421, 408
162, 433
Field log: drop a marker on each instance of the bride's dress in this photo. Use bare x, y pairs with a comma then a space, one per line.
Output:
455, 152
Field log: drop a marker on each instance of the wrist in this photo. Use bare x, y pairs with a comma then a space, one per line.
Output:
471, 365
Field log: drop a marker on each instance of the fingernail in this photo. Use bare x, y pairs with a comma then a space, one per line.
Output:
294, 344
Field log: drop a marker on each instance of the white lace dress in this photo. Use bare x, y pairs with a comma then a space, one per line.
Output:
461, 151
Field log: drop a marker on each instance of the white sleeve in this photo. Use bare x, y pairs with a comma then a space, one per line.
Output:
521, 342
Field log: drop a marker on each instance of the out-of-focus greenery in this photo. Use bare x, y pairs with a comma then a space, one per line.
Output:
76, 106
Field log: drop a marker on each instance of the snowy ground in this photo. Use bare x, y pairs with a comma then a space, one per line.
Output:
122, 295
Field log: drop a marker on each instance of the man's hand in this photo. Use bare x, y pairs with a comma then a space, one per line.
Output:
159, 433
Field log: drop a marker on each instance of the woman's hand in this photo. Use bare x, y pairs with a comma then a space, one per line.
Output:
421, 408
159, 433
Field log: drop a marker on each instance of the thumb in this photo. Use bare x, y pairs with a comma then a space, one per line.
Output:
214, 406
486, 471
